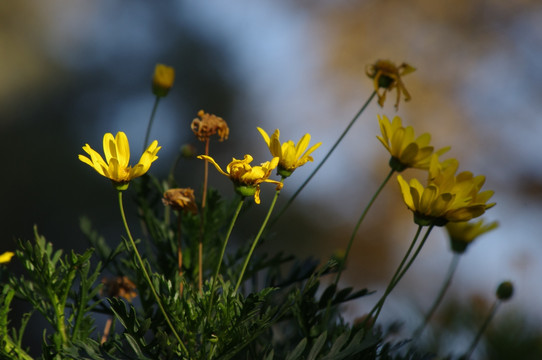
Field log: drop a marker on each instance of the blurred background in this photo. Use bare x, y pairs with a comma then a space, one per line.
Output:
72, 71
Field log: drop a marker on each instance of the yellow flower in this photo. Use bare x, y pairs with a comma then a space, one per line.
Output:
117, 158
247, 179
406, 150
463, 233
387, 75
162, 80
6, 257
291, 156
209, 125
447, 197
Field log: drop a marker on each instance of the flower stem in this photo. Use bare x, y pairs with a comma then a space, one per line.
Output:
255, 242
356, 228
148, 133
488, 319
401, 270
325, 158
147, 277
202, 222
180, 251
217, 271
440, 296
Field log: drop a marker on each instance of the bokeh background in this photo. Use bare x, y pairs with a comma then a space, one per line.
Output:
71, 71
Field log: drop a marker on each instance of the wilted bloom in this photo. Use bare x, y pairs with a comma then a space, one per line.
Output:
387, 76
119, 286
162, 80
463, 233
247, 179
6, 257
208, 125
291, 156
449, 198
117, 158
181, 199
406, 150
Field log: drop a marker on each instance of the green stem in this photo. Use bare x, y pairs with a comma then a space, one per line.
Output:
440, 296
255, 242
325, 158
401, 270
213, 284
147, 277
356, 228
148, 132
488, 319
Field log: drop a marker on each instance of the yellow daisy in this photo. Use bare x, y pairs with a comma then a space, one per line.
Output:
247, 179
291, 156
407, 151
117, 157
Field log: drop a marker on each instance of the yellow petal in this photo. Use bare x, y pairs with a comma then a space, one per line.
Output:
212, 161
264, 135
6, 257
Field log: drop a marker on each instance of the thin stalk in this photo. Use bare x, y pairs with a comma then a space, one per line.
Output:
325, 158
149, 126
217, 271
180, 251
401, 271
488, 319
448, 280
356, 228
202, 221
256, 239
147, 277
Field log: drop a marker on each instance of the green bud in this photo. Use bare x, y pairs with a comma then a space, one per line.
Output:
425, 220
505, 290
121, 186
283, 172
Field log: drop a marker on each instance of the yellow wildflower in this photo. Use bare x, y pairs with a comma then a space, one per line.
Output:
291, 156
247, 179
181, 199
6, 257
463, 233
387, 75
209, 125
406, 150
117, 158
162, 80
447, 197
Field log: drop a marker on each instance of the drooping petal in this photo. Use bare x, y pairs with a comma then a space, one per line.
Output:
212, 161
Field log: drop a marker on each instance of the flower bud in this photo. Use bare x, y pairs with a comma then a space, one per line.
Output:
162, 80
505, 290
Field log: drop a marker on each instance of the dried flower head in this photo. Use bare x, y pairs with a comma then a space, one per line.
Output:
181, 199
119, 286
208, 125
387, 75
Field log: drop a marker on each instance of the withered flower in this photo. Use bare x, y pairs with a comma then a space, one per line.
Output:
181, 199
119, 286
387, 75
208, 125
